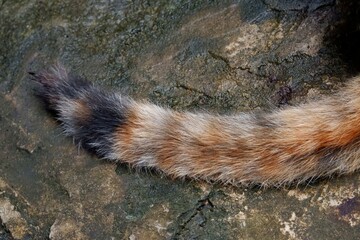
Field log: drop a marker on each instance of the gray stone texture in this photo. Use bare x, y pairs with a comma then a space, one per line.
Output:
214, 56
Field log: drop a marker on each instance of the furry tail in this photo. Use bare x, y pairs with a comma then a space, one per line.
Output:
292, 145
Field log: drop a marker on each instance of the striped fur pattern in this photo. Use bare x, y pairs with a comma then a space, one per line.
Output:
291, 145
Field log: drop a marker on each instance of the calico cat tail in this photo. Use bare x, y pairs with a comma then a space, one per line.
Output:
287, 146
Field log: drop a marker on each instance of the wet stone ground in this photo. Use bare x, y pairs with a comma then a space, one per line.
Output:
215, 56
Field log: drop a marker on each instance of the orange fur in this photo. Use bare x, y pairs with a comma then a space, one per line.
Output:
289, 145
295, 144
83, 111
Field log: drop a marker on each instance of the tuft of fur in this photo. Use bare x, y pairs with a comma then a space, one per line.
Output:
292, 145
88, 114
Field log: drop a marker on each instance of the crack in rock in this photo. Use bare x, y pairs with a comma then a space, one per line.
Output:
194, 214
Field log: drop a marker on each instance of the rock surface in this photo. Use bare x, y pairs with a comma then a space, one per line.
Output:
215, 56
